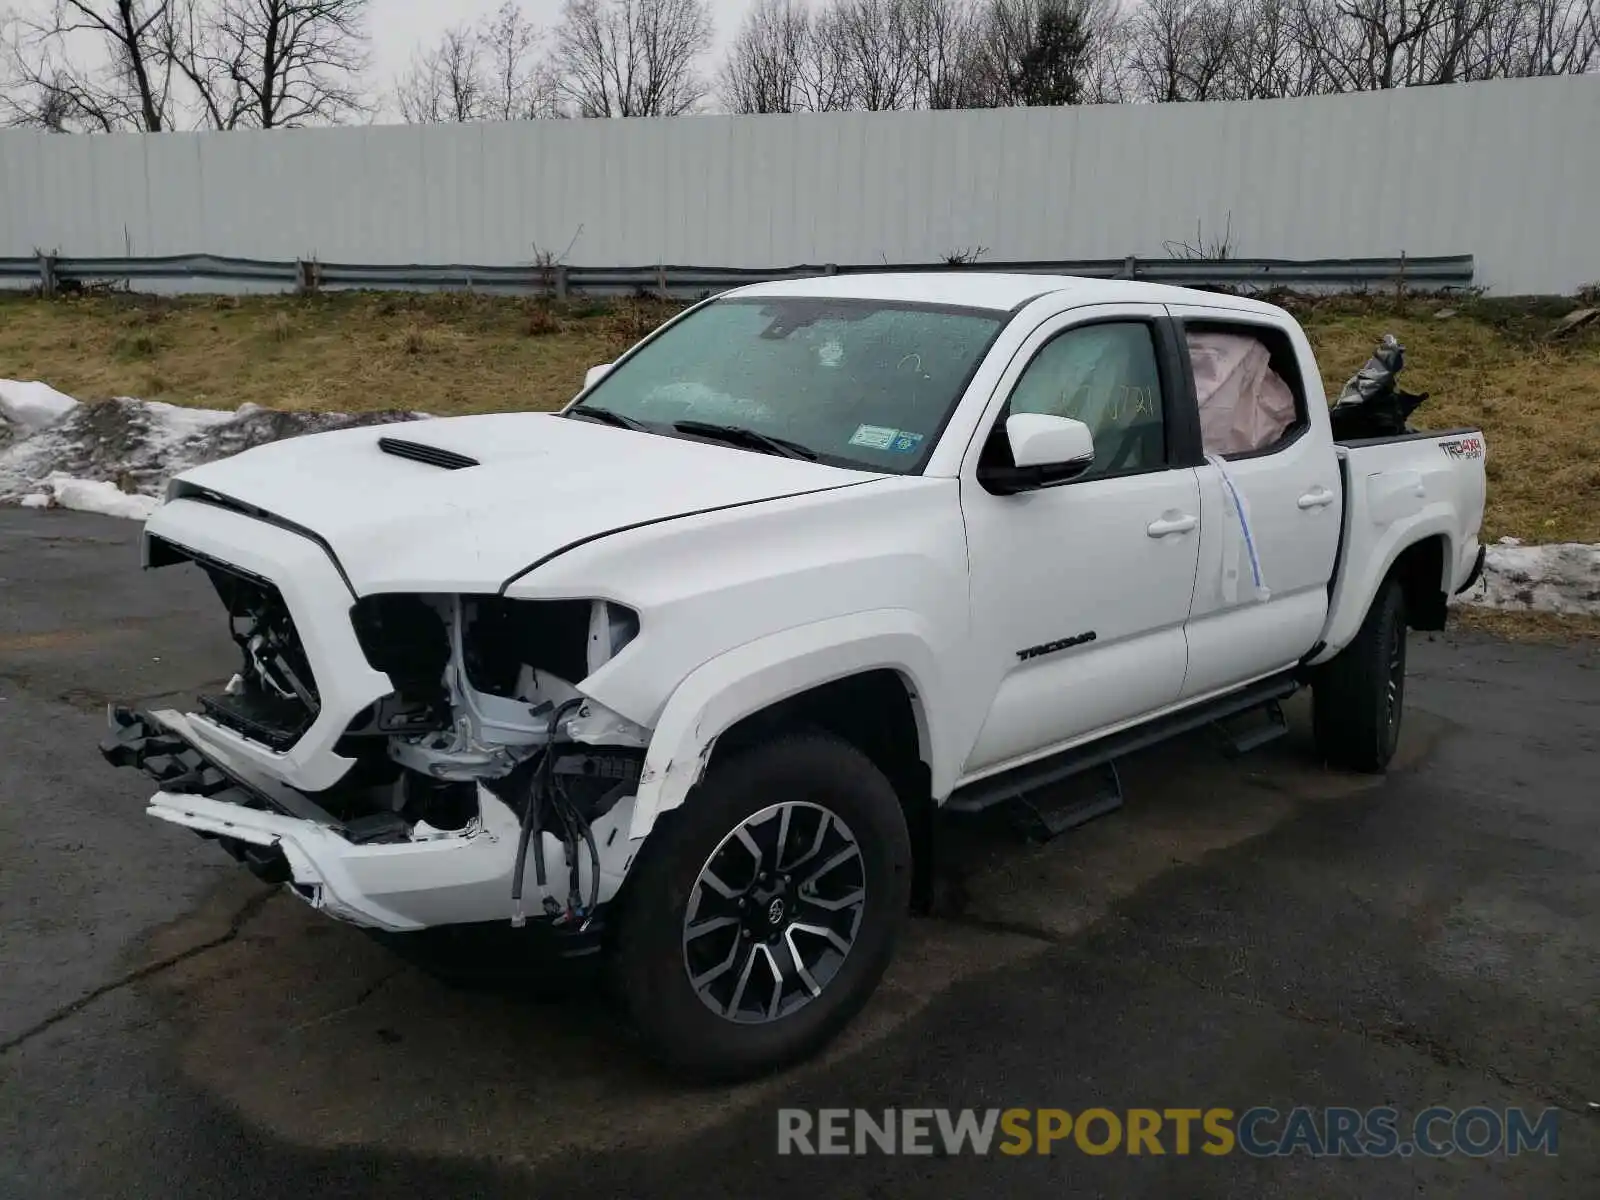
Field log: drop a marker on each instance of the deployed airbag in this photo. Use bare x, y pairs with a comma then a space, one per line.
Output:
1244, 404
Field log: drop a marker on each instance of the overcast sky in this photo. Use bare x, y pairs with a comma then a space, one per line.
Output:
399, 27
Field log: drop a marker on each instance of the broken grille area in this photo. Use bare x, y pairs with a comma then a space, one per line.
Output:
273, 699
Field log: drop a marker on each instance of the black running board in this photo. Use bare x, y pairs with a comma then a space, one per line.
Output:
1239, 737
1045, 815
1016, 784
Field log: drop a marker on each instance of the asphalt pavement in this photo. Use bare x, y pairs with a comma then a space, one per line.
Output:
1244, 933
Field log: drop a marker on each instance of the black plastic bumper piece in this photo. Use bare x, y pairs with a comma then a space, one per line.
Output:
137, 741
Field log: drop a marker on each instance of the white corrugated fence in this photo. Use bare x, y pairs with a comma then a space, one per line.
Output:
1507, 172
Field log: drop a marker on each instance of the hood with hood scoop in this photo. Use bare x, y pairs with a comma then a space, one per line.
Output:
465, 503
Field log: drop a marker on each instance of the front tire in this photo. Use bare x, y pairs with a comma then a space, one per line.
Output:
765, 910
1358, 697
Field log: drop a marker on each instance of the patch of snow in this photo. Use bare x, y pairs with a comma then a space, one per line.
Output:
36, 500
1563, 577
98, 496
136, 446
32, 406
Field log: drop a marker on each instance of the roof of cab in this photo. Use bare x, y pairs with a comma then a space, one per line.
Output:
992, 289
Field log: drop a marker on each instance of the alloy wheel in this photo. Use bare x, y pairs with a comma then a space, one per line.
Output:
774, 912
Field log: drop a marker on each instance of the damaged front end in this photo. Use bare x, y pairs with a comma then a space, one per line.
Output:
484, 785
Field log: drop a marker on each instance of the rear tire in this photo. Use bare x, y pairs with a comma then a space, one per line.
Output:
1358, 697
765, 909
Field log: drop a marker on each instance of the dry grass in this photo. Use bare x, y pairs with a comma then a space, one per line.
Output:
441, 353
1490, 365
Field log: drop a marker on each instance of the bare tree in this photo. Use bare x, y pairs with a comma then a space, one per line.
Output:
944, 46
631, 58
446, 83
1552, 37
1270, 52
42, 104
129, 89
770, 60
270, 64
518, 85
869, 43
1183, 49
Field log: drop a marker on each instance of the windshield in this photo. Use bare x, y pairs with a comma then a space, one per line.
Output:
858, 383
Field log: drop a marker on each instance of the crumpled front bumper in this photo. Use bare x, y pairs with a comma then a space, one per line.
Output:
285, 837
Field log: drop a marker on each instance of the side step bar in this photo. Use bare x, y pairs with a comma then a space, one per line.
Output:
1018, 784
1241, 737
1041, 819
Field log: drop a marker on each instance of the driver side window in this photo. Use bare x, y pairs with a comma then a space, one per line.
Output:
1105, 376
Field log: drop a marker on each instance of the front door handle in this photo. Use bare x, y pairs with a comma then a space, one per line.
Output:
1317, 497
1182, 523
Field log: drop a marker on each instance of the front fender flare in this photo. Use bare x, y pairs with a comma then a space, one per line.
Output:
751, 677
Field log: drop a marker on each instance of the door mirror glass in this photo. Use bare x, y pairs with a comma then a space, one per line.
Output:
595, 374
1042, 440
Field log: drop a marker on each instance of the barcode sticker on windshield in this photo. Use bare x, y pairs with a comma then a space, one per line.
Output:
874, 437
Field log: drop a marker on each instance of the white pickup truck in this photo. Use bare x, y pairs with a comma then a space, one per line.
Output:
683, 671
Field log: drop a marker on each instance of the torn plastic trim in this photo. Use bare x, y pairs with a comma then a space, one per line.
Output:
455, 879
434, 877
163, 744
394, 886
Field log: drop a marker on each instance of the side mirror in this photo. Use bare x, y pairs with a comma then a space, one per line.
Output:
1046, 450
595, 374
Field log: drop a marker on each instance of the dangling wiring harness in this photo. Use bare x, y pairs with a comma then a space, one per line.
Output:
551, 805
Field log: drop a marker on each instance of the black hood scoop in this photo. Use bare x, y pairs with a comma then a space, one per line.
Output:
432, 455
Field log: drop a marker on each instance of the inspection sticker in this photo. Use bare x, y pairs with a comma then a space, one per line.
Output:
874, 437
881, 437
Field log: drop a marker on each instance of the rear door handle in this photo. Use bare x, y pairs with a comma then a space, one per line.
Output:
1178, 524
1317, 497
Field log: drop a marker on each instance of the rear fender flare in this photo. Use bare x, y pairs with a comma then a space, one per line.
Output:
1353, 595
749, 678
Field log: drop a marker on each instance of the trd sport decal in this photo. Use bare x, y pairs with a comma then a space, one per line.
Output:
1471, 447
1051, 647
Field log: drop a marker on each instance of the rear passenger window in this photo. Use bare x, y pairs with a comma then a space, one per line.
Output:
1106, 377
1248, 389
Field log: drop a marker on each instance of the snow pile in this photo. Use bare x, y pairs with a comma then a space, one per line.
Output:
30, 406
1560, 578
91, 495
119, 454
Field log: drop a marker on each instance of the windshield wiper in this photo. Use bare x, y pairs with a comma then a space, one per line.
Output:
606, 417
736, 435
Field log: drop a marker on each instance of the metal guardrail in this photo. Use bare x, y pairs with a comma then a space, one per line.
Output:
190, 272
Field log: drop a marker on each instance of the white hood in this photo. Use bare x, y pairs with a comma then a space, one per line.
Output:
543, 483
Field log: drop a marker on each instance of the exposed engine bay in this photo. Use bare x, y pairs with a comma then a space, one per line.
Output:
483, 737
